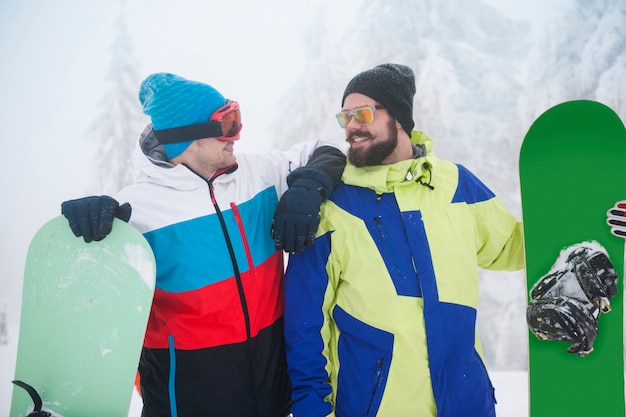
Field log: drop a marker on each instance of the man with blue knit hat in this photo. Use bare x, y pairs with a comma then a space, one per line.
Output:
175, 103
214, 342
380, 313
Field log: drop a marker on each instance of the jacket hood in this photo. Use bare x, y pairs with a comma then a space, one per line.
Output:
383, 178
151, 165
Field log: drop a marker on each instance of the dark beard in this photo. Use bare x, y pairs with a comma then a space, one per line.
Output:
378, 152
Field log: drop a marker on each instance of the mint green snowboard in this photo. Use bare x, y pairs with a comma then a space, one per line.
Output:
572, 170
85, 308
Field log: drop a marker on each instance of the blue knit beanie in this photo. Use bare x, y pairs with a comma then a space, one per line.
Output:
172, 101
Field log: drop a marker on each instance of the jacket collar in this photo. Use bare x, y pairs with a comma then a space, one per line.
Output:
151, 166
384, 178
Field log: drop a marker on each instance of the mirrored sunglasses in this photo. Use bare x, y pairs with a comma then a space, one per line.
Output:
363, 115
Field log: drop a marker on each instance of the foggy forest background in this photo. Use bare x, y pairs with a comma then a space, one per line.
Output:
482, 78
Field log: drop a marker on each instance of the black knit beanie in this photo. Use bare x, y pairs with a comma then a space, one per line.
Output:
393, 86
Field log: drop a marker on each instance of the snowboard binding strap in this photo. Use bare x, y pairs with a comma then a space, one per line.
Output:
566, 302
37, 412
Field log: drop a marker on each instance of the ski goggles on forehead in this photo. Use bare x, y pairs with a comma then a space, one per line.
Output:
363, 115
224, 124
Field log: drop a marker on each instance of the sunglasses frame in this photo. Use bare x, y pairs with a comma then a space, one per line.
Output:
352, 114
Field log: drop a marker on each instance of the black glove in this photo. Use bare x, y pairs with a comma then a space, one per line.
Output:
92, 217
297, 215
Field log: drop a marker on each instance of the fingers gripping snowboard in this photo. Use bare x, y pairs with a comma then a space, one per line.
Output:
572, 165
616, 218
84, 313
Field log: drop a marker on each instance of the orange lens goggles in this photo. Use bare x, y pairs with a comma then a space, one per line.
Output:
363, 115
224, 124
228, 119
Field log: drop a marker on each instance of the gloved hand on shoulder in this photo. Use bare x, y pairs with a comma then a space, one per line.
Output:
92, 217
297, 215
616, 218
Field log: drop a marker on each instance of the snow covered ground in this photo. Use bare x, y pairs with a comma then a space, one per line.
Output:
511, 393
511, 386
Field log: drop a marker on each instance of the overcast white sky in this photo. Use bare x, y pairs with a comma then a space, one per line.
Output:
55, 55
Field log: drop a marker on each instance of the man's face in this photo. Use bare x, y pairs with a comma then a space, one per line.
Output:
209, 155
374, 143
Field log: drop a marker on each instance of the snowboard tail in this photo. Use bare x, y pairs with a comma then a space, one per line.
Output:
84, 314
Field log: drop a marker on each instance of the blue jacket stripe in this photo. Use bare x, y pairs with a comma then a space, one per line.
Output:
470, 189
172, 378
303, 327
181, 241
366, 352
386, 227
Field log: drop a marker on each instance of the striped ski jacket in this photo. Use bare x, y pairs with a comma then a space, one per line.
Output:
380, 314
214, 341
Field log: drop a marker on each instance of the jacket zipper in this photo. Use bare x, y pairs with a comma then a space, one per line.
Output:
376, 384
231, 251
396, 262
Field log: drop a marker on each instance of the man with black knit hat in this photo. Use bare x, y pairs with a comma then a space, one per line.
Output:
214, 342
380, 313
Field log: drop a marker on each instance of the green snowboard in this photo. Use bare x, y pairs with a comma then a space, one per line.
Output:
572, 165
85, 308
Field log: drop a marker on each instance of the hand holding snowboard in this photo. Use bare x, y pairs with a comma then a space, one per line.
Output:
92, 217
616, 218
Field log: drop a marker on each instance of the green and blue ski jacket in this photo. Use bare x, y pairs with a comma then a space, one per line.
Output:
380, 314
